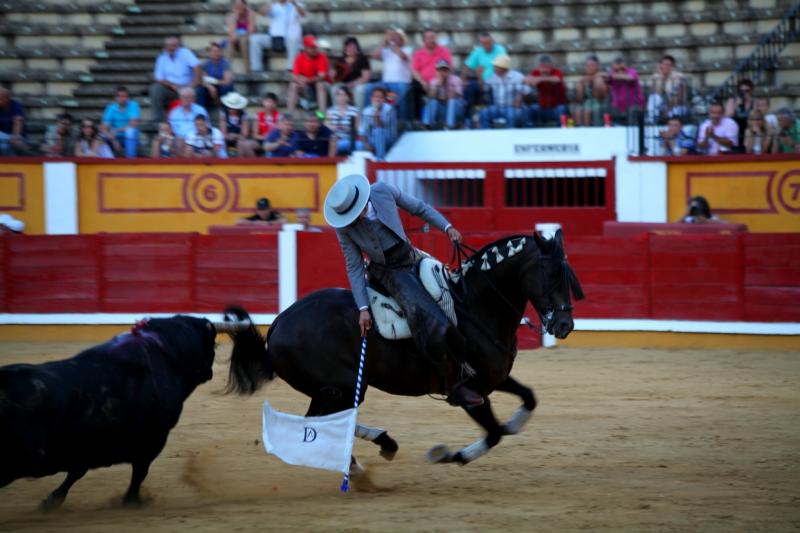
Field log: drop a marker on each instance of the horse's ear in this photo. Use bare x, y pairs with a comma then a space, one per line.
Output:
540, 241
558, 238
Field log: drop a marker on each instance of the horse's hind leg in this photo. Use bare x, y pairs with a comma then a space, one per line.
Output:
380, 437
57, 497
525, 411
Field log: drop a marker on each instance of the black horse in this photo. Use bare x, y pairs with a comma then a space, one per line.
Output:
314, 344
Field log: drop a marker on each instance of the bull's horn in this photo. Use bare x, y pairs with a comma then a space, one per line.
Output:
232, 327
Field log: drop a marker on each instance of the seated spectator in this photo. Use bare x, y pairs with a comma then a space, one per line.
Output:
759, 137
787, 136
344, 120
478, 69
718, 134
395, 54
264, 215
60, 139
284, 34
698, 211
351, 70
551, 93
176, 67
378, 128
121, 123
181, 119
423, 65
676, 139
303, 216
445, 102
267, 119
507, 89
9, 224
317, 140
12, 125
241, 24
204, 140
309, 76
217, 78
591, 93
166, 144
668, 93
282, 141
235, 126
90, 143
761, 104
626, 92
738, 107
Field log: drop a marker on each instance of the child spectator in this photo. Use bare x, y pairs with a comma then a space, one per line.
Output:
12, 125
445, 102
759, 137
310, 76
235, 126
91, 143
590, 94
551, 93
166, 144
240, 23
284, 34
182, 118
507, 89
282, 141
396, 73
217, 78
204, 140
121, 123
626, 92
788, 134
351, 70
267, 119
60, 139
176, 67
344, 120
718, 134
317, 140
378, 124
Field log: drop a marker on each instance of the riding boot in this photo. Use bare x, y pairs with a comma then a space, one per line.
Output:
455, 379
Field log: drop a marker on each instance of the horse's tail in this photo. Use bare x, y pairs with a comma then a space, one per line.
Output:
251, 365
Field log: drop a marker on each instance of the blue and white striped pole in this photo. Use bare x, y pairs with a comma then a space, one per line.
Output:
346, 479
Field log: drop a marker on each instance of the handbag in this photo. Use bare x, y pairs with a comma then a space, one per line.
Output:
278, 44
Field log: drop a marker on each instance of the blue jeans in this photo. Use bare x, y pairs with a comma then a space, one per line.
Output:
539, 116
380, 140
129, 139
399, 88
436, 112
512, 115
345, 146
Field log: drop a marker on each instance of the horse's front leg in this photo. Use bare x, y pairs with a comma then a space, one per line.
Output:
484, 416
525, 411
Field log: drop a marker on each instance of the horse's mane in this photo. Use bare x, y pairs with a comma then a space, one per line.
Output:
547, 247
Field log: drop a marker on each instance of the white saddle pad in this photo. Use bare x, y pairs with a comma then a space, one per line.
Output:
389, 318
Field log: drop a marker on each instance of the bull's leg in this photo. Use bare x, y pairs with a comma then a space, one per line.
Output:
483, 415
140, 470
57, 497
525, 411
380, 437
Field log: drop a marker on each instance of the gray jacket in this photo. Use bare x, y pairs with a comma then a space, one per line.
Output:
385, 200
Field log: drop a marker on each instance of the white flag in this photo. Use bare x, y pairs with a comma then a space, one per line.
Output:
317, 441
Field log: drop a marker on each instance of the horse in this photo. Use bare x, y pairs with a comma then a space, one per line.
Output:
314, 344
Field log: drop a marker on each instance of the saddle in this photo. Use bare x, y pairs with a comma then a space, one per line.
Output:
389, 318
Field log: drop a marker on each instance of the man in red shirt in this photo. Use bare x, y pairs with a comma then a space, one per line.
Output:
552, 95
309, 76
423, 64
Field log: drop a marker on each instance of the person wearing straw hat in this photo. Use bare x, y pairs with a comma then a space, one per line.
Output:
368, 224
235, 125
507, 88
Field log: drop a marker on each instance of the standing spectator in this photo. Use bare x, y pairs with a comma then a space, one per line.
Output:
12, 125
267, 119
551, 91
284, 34
378, 124
344, 120
396, 73
176, 67
240, 23
718, 134
264, 215
121, 123
668, 92
478, 65
310, 76
283, 141
675, 139
204, 140
181, 119
590, 94
60, 139
762, 104
787, 137
507, 88
626, 92
738, 107
351, 70
423, 64
166, 144
445, 99
759, 137
317, 140
217, 78
91, 143
235, 125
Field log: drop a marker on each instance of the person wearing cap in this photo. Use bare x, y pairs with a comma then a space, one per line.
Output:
285, 32
352, 70
551, 92
445, 101
367, 223
235, 125
507, 88
264, 215
9, 224
395, 54
627, 98
310, 76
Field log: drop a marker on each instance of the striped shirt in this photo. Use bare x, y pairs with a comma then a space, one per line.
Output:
341, 121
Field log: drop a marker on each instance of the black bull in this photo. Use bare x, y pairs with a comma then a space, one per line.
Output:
113, 403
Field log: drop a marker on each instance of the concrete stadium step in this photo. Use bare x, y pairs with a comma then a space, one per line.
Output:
141, 19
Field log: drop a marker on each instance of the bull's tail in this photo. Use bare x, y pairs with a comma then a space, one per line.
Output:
251, 365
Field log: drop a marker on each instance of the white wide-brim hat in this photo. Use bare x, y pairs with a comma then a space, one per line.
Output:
234, 100
346, 200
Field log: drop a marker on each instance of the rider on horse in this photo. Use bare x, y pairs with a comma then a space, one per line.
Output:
367, 223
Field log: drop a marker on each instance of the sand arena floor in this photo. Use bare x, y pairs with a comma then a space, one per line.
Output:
636, 440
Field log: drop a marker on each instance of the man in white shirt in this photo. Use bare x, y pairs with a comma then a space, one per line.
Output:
285, 32
205, 141
507, 87
176, 67
181, 119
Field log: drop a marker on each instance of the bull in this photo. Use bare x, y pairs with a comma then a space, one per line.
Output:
110, 404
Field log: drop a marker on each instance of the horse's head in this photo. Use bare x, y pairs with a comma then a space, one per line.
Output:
547, 284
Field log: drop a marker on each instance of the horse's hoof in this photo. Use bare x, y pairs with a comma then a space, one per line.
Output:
51, 503
439, 454
132, 502
388, 455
